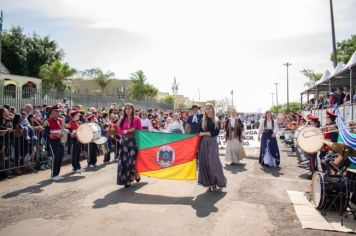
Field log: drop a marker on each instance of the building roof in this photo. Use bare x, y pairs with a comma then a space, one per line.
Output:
3, 69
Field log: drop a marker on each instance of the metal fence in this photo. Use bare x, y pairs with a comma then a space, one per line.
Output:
348, 111
18, 97
25, 150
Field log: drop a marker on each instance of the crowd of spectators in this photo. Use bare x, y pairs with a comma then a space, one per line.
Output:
339, 97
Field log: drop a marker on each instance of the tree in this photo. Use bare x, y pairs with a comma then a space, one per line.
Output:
101, 79
25, 54
169, 99
151, 91
345, 49
293, 107
312, 77
54, 75
140, 89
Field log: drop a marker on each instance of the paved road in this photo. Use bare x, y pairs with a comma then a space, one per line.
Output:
255, 202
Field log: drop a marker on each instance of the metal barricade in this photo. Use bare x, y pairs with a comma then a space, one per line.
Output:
27, 150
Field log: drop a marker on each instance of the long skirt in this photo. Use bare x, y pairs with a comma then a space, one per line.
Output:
235, 151
210, 168
269, 147
126, 162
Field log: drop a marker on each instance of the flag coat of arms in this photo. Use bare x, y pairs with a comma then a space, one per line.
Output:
167, 155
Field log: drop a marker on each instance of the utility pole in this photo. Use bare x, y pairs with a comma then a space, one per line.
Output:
1, 22
272, 98
276, 93
287, 64
333, 33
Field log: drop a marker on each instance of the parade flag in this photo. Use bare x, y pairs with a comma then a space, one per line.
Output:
167, 155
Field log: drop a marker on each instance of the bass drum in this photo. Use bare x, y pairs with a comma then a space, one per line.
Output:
88, 133
326, 188
309, 139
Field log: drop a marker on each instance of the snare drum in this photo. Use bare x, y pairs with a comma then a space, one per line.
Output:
88, 133
309, 139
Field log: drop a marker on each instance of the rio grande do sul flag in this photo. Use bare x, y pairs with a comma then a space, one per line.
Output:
167, 155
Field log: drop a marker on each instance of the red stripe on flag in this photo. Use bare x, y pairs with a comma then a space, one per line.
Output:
185, 151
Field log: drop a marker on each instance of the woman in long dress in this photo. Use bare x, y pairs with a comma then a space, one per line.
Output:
269, 152
234, 130
126, 169
210, 173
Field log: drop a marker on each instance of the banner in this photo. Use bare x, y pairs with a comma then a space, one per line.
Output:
167, 155
251, 139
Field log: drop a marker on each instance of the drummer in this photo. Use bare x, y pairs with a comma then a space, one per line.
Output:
330, 132
76, 145
312, 121
93, 148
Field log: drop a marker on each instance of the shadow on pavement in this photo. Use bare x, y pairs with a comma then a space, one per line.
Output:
96, 168
204, 204
236, 168
129, 195
38, 188
275, 171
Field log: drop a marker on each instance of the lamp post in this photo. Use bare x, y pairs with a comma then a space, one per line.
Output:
287, 64
272, 98
276, 93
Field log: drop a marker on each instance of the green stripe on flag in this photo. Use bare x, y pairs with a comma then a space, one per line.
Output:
147, 139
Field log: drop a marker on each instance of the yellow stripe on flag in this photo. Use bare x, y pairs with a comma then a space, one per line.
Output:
186, 171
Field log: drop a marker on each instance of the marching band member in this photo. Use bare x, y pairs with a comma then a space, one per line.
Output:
126, 171
313, 161
93, 148
54, 130
328, 135
269, 152
234, 129
210, 173
76, 145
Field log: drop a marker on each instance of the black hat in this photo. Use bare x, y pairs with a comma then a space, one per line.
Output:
195, 106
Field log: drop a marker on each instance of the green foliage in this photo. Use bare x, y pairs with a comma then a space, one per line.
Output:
25, 54
140, 89
312, 76
55, 75
151, 91
293, 107
168, 99
101, 79
345, 49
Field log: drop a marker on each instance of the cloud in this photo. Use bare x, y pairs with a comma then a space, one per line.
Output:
216, 45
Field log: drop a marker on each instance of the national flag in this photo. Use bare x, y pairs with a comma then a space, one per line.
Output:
167, 155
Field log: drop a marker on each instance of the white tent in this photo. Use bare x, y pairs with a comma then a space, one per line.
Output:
324, 78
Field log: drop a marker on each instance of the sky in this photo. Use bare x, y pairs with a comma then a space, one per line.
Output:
209, 46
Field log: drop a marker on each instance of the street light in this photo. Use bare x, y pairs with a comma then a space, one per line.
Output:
287, 64
276, 93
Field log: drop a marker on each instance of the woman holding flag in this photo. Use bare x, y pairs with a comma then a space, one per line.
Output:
126, 172
210, 169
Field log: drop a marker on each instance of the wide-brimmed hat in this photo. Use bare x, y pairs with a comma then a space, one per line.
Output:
195, 106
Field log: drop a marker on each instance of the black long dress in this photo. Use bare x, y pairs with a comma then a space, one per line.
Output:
210, 169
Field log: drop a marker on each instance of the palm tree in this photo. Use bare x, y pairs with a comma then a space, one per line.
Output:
138, 85
55, 75
151, 91
103, 79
